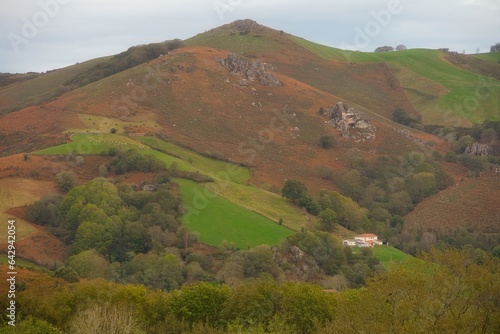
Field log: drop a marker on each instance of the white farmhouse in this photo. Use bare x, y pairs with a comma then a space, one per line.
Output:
363, 240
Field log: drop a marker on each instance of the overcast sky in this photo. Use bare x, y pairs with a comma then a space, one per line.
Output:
40, 35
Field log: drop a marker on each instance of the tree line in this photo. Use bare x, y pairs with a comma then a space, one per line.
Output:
376, 193
442, 292
132, 57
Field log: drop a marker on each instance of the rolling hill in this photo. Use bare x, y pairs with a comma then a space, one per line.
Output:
259, 109
435, 81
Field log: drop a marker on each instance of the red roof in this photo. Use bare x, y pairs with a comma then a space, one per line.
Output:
367, 235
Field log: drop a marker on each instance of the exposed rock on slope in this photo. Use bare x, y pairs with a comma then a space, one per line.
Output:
251, 70
243, 27
478, 149
353, 123
299, 265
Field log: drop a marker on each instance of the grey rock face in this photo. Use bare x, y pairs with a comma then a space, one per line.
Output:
479, 149
254, 70
352, 123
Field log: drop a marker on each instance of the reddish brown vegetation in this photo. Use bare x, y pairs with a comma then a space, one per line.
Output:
471, 204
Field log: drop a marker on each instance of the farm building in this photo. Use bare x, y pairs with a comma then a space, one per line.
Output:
363, 240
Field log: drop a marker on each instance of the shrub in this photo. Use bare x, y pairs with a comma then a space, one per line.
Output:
450, 156
327, 142
385, 48
403, 117
328, 220
68, 274
65, 181
45, 211
294, 191
325, 172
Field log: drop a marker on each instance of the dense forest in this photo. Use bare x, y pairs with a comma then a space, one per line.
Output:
444, 292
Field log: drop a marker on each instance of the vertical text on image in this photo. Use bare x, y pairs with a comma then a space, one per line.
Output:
11, 274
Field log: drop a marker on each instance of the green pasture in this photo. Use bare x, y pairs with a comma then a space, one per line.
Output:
217, 219
390, 256
93, 144
490, 56
212, 167
441, 91
264, 202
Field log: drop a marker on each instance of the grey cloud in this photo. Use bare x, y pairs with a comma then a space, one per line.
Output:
85, 29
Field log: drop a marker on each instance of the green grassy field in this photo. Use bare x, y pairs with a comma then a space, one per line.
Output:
93, 144
490, 56
209, 166
435, 86
217, 219
266, 203
390, 256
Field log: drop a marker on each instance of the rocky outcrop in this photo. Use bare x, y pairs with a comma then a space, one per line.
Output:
298, 264
352, 123
254, 70
479, 149
244, 27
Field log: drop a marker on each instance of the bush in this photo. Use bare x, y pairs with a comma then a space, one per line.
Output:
450, 156
328, 220
385, 48
68, 274
325, 172
294, 190
113, 152
474, 163
134, 161
35, 326
310, 205
403, 117
65, 181
327, 142
202, 302
462, 143
45, 211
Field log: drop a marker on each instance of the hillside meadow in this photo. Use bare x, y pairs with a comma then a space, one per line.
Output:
231, 199
433, 85
217, 219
